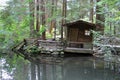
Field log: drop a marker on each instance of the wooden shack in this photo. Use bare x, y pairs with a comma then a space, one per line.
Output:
79, 37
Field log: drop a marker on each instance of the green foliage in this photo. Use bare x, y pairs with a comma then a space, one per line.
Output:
42, 29
96, 36
14, 25
14, 19
31, 49
77, 9
112, 18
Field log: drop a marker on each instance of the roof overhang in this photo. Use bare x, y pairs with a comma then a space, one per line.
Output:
79, 22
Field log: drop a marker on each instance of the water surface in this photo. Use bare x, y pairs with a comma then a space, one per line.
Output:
70, 68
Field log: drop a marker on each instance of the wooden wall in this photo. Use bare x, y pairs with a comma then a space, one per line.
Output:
78, 35
77, 38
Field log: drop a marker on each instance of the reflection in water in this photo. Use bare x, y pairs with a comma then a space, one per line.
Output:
74, 68
46, 72
80, 68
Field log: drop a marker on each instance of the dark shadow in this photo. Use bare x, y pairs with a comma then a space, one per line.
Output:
77, 54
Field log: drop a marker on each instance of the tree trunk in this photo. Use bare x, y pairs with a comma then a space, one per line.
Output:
43, 18
53, 21
91, 10
31, 9
64, 11
100, 19
37, 16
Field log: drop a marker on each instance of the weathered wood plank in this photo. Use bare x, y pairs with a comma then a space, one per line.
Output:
78, 50
115, 47
49, 46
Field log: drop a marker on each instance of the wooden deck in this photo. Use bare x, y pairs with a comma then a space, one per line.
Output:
57, 46
49, 46
78, 50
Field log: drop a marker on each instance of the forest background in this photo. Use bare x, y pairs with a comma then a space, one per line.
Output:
21, 19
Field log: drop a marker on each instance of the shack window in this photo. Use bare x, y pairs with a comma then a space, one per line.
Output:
87, 32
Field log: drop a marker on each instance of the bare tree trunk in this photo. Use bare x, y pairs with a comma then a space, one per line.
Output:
52, 25
53, 21
110, 24
37, 16
43, 18
31, 8
114, 29
100, 19
91, 10
64, 11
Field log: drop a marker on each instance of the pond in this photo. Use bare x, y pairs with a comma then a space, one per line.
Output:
70, 68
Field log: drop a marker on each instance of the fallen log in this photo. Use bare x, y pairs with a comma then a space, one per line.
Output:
18, 46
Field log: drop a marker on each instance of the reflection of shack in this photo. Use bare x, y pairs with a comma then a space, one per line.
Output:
75, 69
79, 37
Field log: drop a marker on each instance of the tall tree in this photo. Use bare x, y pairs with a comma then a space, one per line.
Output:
53, 21
100, 19
43, 17
51, 15
37, 16
32, 10
91, 10
64, 11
